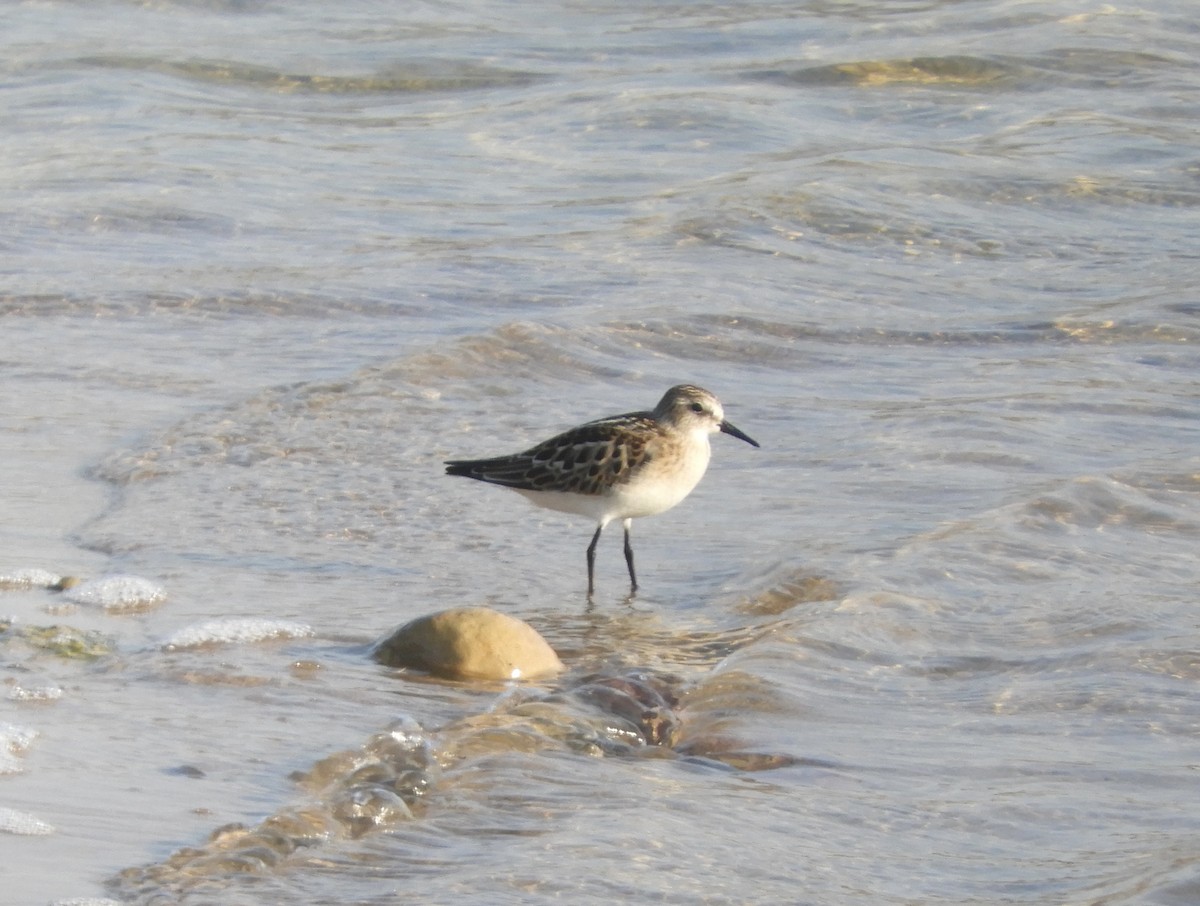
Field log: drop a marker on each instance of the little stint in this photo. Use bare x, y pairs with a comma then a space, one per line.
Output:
620, 467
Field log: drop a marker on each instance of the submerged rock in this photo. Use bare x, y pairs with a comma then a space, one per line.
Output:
14, 742
469, 643
22, 824
117, 594
61, 640
236, 631
23, 579
403, 772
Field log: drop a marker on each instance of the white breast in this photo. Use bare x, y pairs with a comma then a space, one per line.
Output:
665, 481
668, 478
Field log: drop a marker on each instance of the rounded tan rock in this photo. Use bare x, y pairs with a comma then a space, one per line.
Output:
469, 643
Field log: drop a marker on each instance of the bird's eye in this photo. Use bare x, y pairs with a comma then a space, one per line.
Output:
696, 407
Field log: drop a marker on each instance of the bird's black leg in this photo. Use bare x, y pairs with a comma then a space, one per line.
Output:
591, 558
629, 559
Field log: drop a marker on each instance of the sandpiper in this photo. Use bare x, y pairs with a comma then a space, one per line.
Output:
620, 467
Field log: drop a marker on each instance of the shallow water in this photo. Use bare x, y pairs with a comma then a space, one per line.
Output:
265, 267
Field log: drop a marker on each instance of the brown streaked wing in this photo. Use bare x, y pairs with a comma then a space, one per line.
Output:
592, 457
583, 460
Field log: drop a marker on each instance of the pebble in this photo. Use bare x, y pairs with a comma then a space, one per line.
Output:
469, 643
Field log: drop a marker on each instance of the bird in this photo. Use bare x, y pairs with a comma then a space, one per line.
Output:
619, 467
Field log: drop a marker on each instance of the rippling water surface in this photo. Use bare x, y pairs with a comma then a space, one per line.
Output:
265, 266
